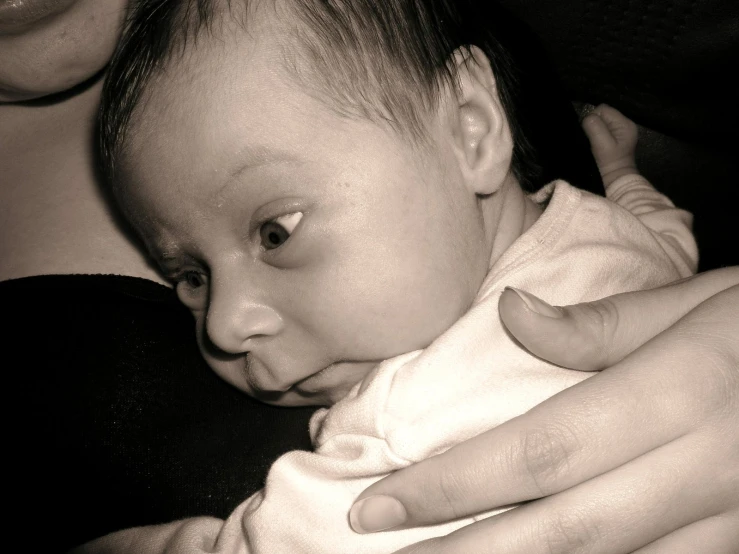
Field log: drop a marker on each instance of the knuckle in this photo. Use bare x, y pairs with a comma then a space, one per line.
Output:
569, 532
715, 349
722, 363
548, 453
603, 316
451, 488
598, 324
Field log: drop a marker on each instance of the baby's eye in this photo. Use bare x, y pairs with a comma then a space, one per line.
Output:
193, 279
275, 233
192, 289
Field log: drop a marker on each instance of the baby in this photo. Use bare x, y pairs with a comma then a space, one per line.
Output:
336, 188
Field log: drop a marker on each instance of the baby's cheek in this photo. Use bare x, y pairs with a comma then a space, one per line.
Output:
432, 300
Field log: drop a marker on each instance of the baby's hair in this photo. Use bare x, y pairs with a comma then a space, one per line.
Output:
385, 60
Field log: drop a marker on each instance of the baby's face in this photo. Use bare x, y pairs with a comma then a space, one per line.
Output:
308, 246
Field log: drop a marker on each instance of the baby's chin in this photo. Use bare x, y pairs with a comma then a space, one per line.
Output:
324, 388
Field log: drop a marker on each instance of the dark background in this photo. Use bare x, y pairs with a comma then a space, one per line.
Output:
672, 66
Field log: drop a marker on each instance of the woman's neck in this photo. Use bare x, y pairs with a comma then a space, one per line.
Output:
53, 212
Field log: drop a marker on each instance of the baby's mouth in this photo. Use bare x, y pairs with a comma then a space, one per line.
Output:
331, 383
311, 384
336, 379
257, 376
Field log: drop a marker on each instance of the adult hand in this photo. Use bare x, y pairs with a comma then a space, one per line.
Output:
643, 457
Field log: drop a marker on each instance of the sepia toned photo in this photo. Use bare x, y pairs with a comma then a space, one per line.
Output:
371, 276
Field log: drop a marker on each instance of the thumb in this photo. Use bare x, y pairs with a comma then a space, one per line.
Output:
595, 335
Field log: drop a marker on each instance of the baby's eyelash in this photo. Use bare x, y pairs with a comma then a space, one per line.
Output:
178, 275
176, 278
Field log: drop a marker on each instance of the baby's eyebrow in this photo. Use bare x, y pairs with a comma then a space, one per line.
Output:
168, 259
259, 155
256, 157
166, 254
170, 265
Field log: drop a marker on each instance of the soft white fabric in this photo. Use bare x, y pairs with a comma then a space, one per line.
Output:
673, 228
470, 379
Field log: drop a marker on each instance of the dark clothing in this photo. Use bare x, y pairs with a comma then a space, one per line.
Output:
116, 420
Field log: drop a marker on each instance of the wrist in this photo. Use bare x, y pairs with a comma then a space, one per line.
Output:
611, 176
616, 168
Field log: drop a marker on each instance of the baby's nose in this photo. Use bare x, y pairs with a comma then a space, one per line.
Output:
232, 328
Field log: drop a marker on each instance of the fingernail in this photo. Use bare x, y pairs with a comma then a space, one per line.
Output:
376, 513
585, 111
537, 305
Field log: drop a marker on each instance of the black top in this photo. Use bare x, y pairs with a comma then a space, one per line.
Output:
115, 419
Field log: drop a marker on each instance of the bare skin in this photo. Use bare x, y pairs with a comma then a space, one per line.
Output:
54, 217
613, 142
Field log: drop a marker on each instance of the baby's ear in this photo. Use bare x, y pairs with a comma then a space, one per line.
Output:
478, 124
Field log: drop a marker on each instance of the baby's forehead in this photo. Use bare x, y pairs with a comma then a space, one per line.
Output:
202, 126
181, 100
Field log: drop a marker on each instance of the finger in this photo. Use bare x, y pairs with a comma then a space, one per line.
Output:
717, 535
583, 110
586, 430
594, 335
598, 133
618, 512
619, 126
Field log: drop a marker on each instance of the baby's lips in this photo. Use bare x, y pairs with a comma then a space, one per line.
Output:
261, 379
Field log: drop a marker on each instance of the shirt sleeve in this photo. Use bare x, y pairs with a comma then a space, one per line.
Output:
672, 226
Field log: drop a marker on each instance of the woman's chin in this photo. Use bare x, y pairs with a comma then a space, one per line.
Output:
37, 88
55, 45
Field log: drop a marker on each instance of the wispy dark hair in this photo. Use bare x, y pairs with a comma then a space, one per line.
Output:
386, 60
